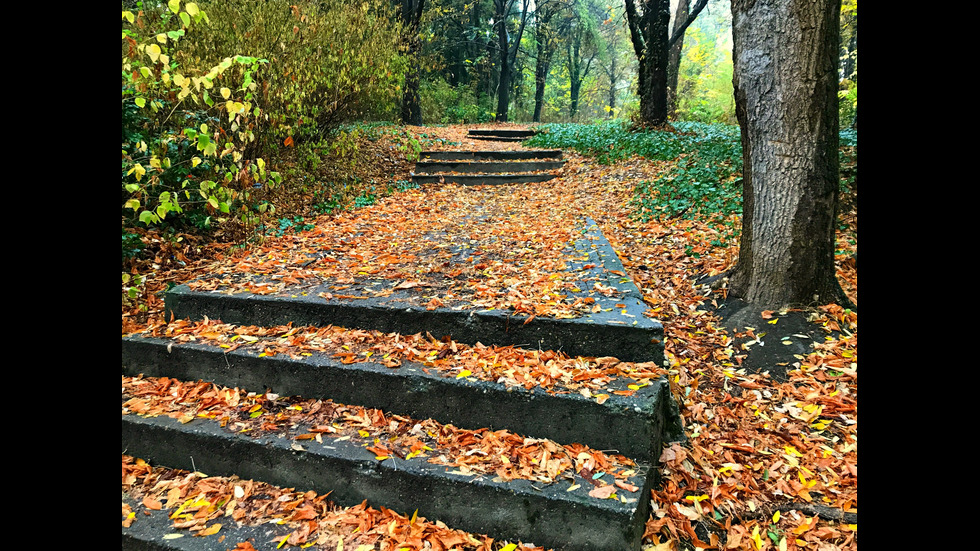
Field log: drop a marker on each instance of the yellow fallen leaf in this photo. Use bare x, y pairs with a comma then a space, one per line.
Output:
464, 373
210, 530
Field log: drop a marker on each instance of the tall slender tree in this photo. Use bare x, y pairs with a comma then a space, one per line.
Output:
410, 15
582, 47
785, 77
507, 49
674, 57
547, 30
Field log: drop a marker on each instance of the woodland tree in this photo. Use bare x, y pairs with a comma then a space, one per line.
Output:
410, 13
786, 77
582, 48
507, 50
547, 30
649, 33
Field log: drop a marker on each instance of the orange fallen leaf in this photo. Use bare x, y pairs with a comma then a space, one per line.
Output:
152, 504
627, 486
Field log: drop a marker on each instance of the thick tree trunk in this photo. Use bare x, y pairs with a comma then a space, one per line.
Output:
785, 55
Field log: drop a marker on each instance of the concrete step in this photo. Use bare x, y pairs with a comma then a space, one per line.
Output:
616, 326
551, 514
501, 133
485, 167
490, 155
633, 425
481, 179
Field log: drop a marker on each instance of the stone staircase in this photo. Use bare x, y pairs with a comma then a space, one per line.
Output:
635, 419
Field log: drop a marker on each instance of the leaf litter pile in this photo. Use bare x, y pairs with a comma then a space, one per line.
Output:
770, 463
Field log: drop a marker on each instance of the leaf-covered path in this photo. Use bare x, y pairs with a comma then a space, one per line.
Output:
768, 463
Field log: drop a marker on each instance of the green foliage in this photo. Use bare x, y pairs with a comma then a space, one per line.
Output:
132, 245
294, 225
705, 76
848, 100
848, 160
330, 61
444, 104
183, 149
702, 182
611, 141
133, 289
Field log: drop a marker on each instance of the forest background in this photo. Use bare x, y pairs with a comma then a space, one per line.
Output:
244, 117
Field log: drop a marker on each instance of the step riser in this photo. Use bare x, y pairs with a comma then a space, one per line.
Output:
523, 134
631, 425
550, 516
423, 167
490, 155
484, 179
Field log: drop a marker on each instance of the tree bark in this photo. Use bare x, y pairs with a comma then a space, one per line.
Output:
653, 97
785, 77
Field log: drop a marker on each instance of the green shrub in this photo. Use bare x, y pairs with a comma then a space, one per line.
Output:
182, 148
444, 104
199, 119
331, 61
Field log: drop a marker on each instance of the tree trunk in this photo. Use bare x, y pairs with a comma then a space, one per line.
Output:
411, 15
674, 58
503, 84
785, 77
653, 95
542, 64
574, 71
612, 87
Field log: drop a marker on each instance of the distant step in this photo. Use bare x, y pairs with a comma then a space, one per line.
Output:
485, 167
560, 514
506, 135
490, 155
615, 326
481, 179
